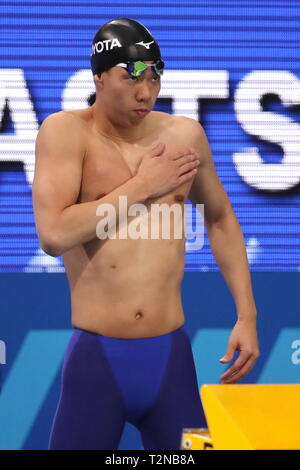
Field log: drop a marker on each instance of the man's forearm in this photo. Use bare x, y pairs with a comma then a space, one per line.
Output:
77, 223
228, 247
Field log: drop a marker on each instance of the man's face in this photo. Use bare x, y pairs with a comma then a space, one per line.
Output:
124, 94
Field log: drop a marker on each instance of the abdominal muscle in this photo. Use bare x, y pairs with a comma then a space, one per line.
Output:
126, 288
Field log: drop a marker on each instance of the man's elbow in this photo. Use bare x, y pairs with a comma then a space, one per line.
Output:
218, 218
51, 246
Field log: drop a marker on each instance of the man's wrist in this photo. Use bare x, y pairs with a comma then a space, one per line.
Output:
142, 187
247, 314
245, 307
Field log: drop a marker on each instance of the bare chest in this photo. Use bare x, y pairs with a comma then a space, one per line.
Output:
107, 166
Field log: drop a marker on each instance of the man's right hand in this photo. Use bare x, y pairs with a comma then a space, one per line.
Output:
162, 174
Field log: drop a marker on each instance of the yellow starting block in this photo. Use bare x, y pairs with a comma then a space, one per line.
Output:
247, 416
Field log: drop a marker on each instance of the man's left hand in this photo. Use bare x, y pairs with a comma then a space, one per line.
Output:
244, 339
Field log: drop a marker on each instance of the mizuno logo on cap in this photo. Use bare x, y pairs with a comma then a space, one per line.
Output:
145, 44
107, 45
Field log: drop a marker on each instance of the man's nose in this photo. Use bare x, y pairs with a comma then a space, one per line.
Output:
143, 90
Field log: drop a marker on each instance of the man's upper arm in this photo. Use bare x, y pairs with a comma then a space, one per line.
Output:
207, 188
58, 169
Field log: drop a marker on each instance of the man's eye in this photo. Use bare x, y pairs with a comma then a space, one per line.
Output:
132, 77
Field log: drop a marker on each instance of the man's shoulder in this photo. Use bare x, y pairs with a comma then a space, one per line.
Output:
190, 128
63, 121
185, 129
188, 123
177, 120
61, 116
61, 127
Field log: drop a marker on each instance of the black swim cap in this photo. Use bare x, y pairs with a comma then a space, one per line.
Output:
122, 40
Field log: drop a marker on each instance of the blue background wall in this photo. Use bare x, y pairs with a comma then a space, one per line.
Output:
249, 105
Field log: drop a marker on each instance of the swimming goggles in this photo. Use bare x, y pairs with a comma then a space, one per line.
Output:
136, 68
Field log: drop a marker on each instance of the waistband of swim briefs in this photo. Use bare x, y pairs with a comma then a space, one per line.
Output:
181, 328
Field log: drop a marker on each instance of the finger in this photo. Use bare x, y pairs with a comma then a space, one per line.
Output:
241, 373
240, 361
156, 145
188, 166
237, 374
231, 371
187, 160
157, 149
187, 176
183, 154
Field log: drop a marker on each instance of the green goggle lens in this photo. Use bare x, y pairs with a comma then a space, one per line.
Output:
136, 68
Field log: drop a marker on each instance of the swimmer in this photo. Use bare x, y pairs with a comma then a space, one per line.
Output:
129, 358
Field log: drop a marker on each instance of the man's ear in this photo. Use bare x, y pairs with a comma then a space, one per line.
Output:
98, 80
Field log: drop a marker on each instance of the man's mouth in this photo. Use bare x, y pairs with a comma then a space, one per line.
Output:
141, 111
